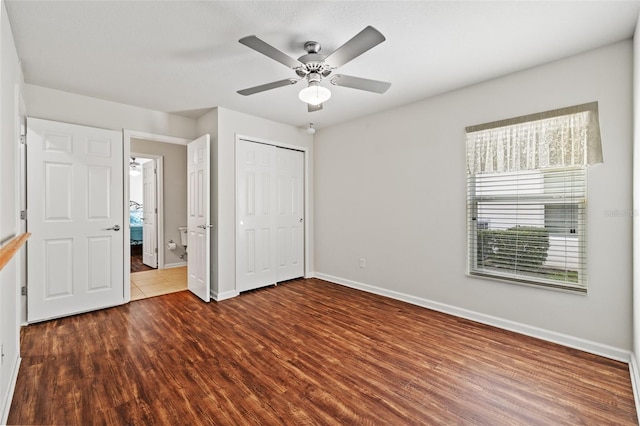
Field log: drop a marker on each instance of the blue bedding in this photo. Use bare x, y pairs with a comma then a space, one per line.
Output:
135, 224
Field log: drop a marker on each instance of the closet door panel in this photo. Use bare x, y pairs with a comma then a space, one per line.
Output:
255, 234
290, 217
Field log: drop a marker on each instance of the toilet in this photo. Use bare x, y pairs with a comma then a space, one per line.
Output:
183, 236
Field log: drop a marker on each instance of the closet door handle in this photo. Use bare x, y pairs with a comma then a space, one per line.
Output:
113, 228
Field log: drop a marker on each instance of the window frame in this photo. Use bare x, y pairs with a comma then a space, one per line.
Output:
569, 252
474, 224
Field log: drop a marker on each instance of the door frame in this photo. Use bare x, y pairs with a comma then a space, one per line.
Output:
127, 135
159, 205
21, 200
307, 209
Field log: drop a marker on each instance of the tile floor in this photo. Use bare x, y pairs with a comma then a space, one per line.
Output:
157, 282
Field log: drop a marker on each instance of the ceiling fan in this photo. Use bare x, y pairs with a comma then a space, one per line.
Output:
314, 67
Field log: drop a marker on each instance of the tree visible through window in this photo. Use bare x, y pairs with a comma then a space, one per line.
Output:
526, 196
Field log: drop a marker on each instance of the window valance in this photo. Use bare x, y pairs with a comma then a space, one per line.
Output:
559, 138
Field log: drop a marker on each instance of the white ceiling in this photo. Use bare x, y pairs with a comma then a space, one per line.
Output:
184, 57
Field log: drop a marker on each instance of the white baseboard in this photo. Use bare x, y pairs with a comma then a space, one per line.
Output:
174, 265
528, 330
635, 382
6, 404
218, 297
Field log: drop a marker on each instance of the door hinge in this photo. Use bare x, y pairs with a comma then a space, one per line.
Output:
156, 250
23, 139
23, 291
23, 215
156, 210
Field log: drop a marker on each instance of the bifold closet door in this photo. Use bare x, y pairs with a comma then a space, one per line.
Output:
270, 200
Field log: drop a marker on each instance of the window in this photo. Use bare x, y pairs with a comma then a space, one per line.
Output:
526, 197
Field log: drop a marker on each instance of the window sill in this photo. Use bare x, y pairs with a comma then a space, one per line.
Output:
535, 284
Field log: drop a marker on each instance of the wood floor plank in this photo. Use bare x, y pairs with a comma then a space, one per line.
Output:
305, 352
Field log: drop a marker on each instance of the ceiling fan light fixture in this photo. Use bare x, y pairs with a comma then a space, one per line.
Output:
134, 167
314, 94
311, 130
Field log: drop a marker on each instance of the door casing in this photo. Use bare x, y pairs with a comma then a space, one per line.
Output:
127, 136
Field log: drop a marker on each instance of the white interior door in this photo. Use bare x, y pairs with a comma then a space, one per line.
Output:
290, 217
150, 214
75, 213
270, 200
199, 217
255, 236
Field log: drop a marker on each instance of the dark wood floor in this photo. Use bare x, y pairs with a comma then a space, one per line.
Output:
136, 259
306, 352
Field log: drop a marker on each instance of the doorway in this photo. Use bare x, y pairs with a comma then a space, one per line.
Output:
168, 154
143, 212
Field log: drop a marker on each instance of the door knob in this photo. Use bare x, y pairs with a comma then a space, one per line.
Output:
113, 228
205, 226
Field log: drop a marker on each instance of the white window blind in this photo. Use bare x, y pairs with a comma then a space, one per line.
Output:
526, 197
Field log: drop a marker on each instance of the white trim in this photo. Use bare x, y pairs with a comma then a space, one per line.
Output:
528, 330
126, 183
21, 203
6, 404
307, 203
635, 382
174, 265
218, 297
128, 134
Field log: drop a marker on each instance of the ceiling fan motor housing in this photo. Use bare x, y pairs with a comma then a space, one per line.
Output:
312, 47
313, 61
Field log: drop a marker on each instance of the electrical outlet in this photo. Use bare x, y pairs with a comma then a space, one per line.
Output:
362, 263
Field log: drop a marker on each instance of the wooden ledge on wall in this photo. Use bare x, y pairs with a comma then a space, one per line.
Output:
11, 248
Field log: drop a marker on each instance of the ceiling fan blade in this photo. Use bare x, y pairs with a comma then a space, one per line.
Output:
312, 108
360, 83
360, 43
268, 86
266, 49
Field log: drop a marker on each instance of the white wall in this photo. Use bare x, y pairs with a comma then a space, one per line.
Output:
390, 188
223, 125
635, 361
56, 105
10, 85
